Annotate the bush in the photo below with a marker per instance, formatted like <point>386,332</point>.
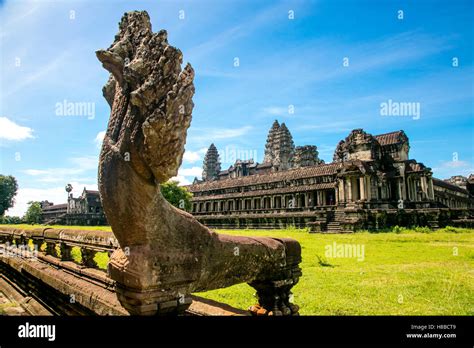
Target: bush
<point>293,228</point>
<point>452,229</point>
<point>398,229</point>
<point>423,229</point>
<point>10,220</point>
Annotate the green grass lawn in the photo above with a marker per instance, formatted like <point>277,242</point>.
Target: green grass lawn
<point>405,272</point>
<point>88,228</point>
<point>408,273</point>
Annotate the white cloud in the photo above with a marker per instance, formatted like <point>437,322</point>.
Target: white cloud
<point>244,28</point>
<point>99,138</point>
<point>35,172</point>
<point>75,172</point>
<point>85,163</point>
<point>211,134</point>
<point>57,195</point>
<point>226,133</point>
<point>327,127</point>
<point>181,180</point>
<point>454,164</point>
<point>42,71</point>
<point>186,176</point>
<point>276,110</point>
<point>447,169</point>
<point>194,171</point>
<point>9,130</point>
<point>18,13</point>
<point>194,156</point>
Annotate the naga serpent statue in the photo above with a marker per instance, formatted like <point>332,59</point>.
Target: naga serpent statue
<point>165,254</point>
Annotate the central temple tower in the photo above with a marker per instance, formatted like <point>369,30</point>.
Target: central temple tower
<point>280,148</point>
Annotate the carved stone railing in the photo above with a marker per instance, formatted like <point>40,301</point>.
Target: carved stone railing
<point>88,242</point>
<point>44,260</point>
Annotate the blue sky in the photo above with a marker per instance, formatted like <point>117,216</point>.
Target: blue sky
<point>47,51</point>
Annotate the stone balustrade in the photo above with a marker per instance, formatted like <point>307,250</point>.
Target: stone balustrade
<point>42,262</point>
<point>89,243</point>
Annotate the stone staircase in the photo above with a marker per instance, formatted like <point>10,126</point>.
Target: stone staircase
<point>334,222</point>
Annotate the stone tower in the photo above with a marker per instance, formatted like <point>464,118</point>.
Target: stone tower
<point>284,149</point>
<point>270,141</point>
<point>211,166</point>
<point>279,149</point>
<point>306,156</point>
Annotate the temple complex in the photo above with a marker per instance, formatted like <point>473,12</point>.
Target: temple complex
<point>83,210</point>
<point>371,183</point>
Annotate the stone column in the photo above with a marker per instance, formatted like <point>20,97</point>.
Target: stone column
<point>349,190</point>
<point>424,187</point>
<point>400,190</point>
<point>404,188</point>
<point>342,190</point>
<point>362,187</point>
<point>37,243</point>
<point>368,187</point>
<point>407,188</point>
<point>50,249</point>
<point>411,197</point>
<point>430,188</point>
<point>65,252</point>
<point>414,188</point>
<point>88,258</point>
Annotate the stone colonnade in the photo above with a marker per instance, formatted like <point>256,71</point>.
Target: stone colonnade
<point>307,199</point>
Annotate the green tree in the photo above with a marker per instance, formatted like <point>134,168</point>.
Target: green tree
<point>8,190</point>
<point>33,213</point>
<point>178,196</point>
<point>10,220</point>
